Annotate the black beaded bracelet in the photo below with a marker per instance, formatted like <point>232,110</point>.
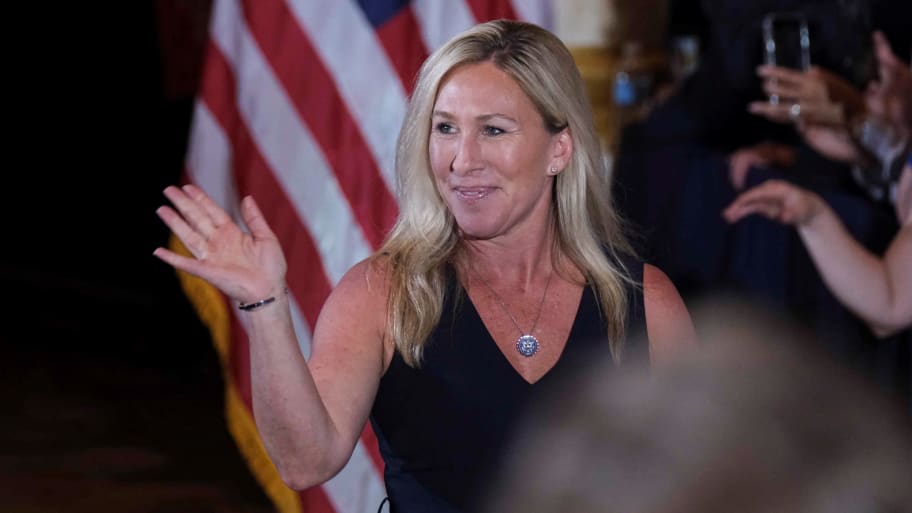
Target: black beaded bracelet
<point>249,307</point>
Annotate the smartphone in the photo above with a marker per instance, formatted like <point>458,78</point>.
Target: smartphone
<point>786,42</point>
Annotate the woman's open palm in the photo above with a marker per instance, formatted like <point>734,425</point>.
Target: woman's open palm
<point>247,266</point>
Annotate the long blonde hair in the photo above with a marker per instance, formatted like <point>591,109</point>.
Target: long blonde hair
<point>425,238</point>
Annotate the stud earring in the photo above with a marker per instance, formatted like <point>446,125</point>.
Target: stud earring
<point>553,170</point>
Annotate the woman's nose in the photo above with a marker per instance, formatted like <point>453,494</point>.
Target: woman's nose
<point>467,157</point>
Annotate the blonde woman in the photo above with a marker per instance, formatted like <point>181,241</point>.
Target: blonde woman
<point>506,269</point>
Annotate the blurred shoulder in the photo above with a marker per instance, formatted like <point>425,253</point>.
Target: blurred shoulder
<point>658,287</point>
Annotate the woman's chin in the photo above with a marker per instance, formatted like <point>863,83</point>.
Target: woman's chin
<point>477,231</point>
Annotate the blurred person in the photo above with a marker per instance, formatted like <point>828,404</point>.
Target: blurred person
<point>755,420</point>
<point>675,175</point>
<point>507,268</point>
<point>687,160</point>
<point>827,113</point>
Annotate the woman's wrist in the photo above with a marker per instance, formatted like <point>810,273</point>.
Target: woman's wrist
<point>816,212</point>
<point>263,302</point>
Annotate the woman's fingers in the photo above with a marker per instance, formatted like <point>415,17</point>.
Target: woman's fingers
<point>792,86</point>
<point>808,91</point>
<point>213,274</point>
<point>779,113</point>
<point>769,209</point>
<point>768,199</point>
<point>747,204</point>
<point>778,200</point>
<point>799,112</point>
<point>830,114</point>
<point>197,220</point>
<point>884,53</point>
<point>785,92</point>
<point>784,75</point>
<point>216,214</point>
<point>190,265</point>
<point>254,219</point>
<point>243,265</point>
<point>189,236</point>
<point>187,201</point>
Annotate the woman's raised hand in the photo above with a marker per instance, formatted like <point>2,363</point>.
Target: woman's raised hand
<point>778,200</point>
<point>246,266</point>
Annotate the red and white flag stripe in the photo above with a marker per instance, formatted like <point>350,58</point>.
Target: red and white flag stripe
<point>300,105</point>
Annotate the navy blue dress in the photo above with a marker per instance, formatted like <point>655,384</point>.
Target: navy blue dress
<point>443,429</point>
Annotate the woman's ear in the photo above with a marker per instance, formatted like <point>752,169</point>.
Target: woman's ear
<point>562,151</point>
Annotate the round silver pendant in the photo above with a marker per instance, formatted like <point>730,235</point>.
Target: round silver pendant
<point>527,345</point>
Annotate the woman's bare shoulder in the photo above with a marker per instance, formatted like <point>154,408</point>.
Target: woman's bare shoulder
<point>668,323</point>
<point>365,286</point>
<point>370,275</point>
<point>354,316</point>
<point>658,287</point>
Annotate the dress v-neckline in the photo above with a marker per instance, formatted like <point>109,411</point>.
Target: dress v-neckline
<point>490,344</point>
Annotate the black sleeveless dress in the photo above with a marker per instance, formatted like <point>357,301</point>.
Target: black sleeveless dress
<point>443,428</point>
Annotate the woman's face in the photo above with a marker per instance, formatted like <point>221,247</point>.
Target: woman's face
<point>491,154</point>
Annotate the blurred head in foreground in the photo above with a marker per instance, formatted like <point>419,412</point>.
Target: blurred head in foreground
<point>752,421</point>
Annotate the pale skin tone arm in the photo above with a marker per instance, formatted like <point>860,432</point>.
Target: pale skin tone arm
<point>309,414</point>
<point>878,290</point>
<point>668,324</point>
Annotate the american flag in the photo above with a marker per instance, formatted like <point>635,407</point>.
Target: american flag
<point>300,105</point>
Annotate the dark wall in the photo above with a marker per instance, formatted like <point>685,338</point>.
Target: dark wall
<point>102,134</point>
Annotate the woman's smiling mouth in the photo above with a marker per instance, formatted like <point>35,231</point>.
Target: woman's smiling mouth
<point>472,193</point>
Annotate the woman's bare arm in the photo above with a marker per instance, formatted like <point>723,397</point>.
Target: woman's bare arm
<point>309,414</point>
<point>668,324</point>
<point>878,290</point>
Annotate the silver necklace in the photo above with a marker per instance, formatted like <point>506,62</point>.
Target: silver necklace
<point>526,344</point>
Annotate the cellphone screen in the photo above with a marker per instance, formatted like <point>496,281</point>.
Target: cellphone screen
<point>786,41</point>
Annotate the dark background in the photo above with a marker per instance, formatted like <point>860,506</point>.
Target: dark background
<point>110,386</point>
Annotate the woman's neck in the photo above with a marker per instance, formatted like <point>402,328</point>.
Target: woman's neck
<point>521,262</point>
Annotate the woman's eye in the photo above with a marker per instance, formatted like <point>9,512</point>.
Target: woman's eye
<point>491,130</point>
<point>444,128</point>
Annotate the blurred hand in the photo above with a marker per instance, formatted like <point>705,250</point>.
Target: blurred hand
<point>816,96</point>
<point>835,143</point>
<point>890,97</point>
<point>761,155</point>
<point>246,266</point>
<point>778,200</point>
<point>822,106</point>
